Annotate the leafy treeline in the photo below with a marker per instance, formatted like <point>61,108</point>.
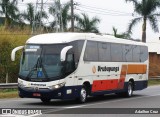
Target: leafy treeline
<point>144,10</point>
<point>15,31</point>
<point>10,39</point>
<point>13,15</point>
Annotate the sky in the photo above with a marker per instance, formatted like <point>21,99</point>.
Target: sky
<point>115,13</point>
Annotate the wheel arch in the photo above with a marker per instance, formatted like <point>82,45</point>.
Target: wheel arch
<point>87,84</point>
<point>133,82</point>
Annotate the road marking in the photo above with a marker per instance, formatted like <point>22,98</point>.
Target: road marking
<point>79,106</point>
<point>113,101</point>
<point>64,108</point>
<point>34,115</point>
<point>18,99</point>
<point>70,107</point>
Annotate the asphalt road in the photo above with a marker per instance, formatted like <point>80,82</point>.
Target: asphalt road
<point>148,98</point>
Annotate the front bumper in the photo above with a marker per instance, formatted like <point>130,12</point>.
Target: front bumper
<point>60,93</point>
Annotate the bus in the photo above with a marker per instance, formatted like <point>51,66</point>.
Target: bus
<point>78,65</point>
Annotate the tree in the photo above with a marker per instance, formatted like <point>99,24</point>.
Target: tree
<point>85,24</point>
<point>147,11</point>
<point>10,10</point>
<point>114,31</point>
<point>61,12</point>
<point>5,48</point>
<point>121,35</point>
<point>30,15</point>
<point>39,16</point>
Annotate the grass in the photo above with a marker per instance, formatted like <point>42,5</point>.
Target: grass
<point>153,82</point>
<point>8,93</point>
<point>15,36</point>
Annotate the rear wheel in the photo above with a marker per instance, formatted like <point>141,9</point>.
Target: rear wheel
<point>129,91</point>
<point>45,100</point>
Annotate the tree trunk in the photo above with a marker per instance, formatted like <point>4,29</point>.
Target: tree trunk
<point>144,30</point>
<point>7,22</point>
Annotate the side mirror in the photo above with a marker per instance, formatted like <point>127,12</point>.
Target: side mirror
<point>13,54</point>
<point>64,51</point>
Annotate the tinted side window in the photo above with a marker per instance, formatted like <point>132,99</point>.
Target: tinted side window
<point>91,52</point>
<point>144,54</point>
<point>116,52</point>
<point>104,52</point>
<point>77,49</point>
<point>127,53</point>
<point>70,66</point>
<point>136,53</point>
<point>80,46</point>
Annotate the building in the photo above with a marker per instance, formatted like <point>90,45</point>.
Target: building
<point>154,58</point>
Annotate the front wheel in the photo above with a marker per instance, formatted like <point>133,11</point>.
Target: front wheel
<point>83,95</point>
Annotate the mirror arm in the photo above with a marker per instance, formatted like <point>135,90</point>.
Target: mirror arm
<point>64,51</point>
<point>13,54</point>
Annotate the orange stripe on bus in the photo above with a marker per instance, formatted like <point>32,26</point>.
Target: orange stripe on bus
<point>124,70</point>
<point>136,69</point>
<point>122,77</point>
<point>113,84</point>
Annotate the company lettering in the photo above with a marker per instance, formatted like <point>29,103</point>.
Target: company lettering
<point>38,84</point>
<point>109,69</point>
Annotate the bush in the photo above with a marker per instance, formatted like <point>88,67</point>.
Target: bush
<point>10,39</point>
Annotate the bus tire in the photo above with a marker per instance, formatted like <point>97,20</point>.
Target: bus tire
<point>83,95</point>
<point>45,100</point>
<point>129,91</point>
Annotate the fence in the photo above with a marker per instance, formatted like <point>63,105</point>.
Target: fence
<point>8,85</point>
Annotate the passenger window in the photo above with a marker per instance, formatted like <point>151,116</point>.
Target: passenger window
<point>127,53</point>
<point>116,52</point>
<point>136,53</point>
<point>104,52</point>
<point>144,54</point>
<point>91,52</point>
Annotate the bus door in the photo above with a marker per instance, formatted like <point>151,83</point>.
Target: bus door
<point>70,68</point>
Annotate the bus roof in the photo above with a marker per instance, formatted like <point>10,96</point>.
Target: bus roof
<point>57,38</point>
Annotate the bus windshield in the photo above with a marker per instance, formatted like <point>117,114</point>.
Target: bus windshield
<point>41,61</point>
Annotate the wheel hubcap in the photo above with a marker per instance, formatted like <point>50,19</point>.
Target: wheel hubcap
<point>130,90</point>
<point>83,94</point>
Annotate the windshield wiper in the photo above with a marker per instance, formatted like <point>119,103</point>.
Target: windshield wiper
<point>41,66</point>
<point>37,66</point>
<point>33,69</point>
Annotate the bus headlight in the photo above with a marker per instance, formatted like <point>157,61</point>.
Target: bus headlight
<point>57,86</point>
<point>20,84</point>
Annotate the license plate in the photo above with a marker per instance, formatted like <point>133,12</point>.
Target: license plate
<point>36,94</point>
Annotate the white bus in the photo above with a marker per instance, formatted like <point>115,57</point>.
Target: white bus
<point>77,65</point>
